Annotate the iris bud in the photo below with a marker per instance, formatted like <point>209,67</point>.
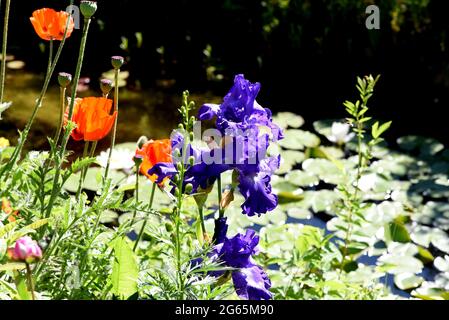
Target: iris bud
<point>189,188</point>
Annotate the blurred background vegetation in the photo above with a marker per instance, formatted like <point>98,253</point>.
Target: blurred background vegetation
<point>305,53</point>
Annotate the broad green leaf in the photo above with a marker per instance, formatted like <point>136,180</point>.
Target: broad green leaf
<point>124,270</point>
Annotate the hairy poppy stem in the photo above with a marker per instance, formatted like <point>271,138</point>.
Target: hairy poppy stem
<point>62,94</point>
<point>23,137</point>
<point>80,184</point>
<point>65,139</point>
<point>142,230</point>
<point>114,130</point>
<point>50,56</point>
<point>4,46</point>
<point>136,195</point>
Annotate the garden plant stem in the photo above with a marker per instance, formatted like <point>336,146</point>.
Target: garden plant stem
<point>66,135</point>
<point>142,229</point>
<point>220,209</point>
<point>18,150</point>
<point>114,130</point>
<point>4,46</point>
<point>30,280</point>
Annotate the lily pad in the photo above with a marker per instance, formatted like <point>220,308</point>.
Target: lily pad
<point>299,139</point>
<point>302,178</point>
<point>288,119</point>
<point>407,281</point>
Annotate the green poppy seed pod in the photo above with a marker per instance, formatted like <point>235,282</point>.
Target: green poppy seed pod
<point>191,160</point>
<point>189,188</point>
<point>64,79</point>
<point>168,227</point>
<point>105,86</point>
<point>88,8</point>
<point>142,140</point>
<point>117,62</point>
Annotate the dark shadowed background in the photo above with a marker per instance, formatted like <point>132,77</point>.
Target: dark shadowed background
<point>306,54</point>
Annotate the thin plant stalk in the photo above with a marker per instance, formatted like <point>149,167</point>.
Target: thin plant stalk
<point>142,229</point>
<point>4,46</point>
<point>201,214</point>
<point>30,280</point>
<point>66,135</point>
<point>220,209</point>
<point>62,95</point>
<point>114,130</point>
<point>50,55</point>
<point>80,184</point>
<point>18,150</point>
<point>136,188</point>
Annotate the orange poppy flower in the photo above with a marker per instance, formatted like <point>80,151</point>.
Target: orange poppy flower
<point>50,24</point>
<point>92,117</point>
<point>153,152</point>
<point>6,208</point>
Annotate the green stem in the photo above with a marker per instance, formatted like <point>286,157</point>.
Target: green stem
<point>30,280</point>
<point>142,230</point>
<point>66,135</point>
<point>50,56</point>
<point>80,184</point>
<point>4,46</point>
<point>136,194</point>
<point>203,226</point>
<point>220,209</point>
<point>18,150</point>
<point>114,130</point>
<point>62,94</point>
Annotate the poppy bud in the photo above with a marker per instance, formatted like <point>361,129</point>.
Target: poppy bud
<point>142,140</point>
<point>64,79</point>
<point>189,188</point>
<point>117,62</point>
<point>88,8</point>
<point>105,86</point>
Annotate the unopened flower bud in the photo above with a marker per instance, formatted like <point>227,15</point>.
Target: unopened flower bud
<point>142,140</point>
<point>227,198</point>
<point>88,8</point>
<point>117,62</point>
<point>191,160</point>
<point>26,250</point>
<point>64,79</point>
<point>191,136</point>
<point>189,188</point>
<point>181,126</point>
<point>168,227</point>
<point>105,86</point>
<point>179,166</point>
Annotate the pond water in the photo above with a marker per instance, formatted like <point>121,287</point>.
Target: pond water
<point>151,112</point>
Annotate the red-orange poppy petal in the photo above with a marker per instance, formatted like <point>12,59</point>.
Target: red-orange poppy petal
<point>153,152</point>
<point>50,24</point>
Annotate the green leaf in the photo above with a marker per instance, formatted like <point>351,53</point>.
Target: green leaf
<point>397,232</point>
<point>12,266</point>
<point>124,270</point>
<point>9,227</point>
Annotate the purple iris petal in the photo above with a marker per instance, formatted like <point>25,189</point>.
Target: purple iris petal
<point>252,283</point>
<point>163,170</point>
<point>208,111</point>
